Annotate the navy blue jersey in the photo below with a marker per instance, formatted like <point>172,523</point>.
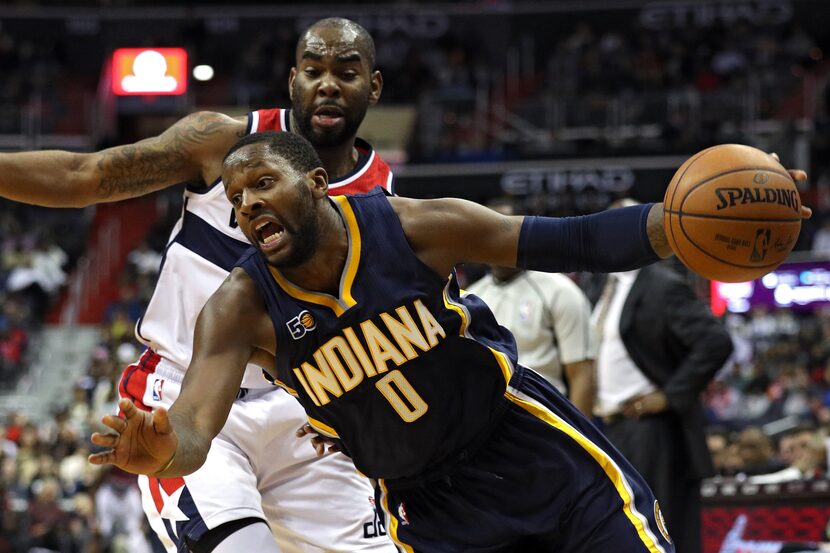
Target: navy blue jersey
<point>400,368</point>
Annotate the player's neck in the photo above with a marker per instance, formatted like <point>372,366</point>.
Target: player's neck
<point>339,160</point>
<point>322,272</point>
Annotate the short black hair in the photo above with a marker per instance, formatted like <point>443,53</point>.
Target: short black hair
<point>364,39</point>
<point>293,148</point>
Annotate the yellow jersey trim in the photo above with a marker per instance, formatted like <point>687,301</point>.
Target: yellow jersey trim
<point>393,520</point>
<point>504,364</point>
<point>323,428</point>
<point>608,465</point>
<point>355,244</point>
<point>448,303</point>
<point>346,300</point>
<point>286,387</point>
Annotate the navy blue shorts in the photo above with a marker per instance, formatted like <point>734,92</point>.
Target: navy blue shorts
<point>544,480</point>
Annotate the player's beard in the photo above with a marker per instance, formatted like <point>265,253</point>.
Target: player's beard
<point>352,119</point>
<point>304,234</point>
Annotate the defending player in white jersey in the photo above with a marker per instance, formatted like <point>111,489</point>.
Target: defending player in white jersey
<point>257,469</point>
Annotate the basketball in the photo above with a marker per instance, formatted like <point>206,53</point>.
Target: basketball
<point>732,213</point>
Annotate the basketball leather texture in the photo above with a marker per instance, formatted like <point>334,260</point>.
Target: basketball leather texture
<point>732,213</point>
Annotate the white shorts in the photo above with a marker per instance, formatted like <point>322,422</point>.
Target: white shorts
<point>257,467</point>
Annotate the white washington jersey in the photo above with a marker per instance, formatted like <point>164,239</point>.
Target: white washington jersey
<point>206,242</point>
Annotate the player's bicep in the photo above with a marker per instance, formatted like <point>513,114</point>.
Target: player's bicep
<point>445,232</point>
<point>176,155</point>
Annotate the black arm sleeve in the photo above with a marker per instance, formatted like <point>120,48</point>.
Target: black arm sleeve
<point>606,242</point>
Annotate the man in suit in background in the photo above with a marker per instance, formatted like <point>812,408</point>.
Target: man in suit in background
<point>659,346</point>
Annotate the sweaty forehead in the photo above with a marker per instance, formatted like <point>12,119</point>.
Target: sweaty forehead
<point>250,158</point>
<point>329,41</point>
<point>252,155</point>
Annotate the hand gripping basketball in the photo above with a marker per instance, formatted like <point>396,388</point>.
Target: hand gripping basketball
<point>733,213</point>
<point>140,442</point>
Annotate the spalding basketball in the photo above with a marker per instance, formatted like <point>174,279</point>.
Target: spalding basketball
<point>732,213</point>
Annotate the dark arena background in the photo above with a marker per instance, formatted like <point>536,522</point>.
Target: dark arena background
<point>561,106</point>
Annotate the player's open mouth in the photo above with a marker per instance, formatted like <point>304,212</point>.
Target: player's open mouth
<point>327,116</point>
<point>268,233</point>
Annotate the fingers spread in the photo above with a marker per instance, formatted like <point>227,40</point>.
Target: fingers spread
<point>102,458</point>
<point>116,423</point>
<point>105,440</point>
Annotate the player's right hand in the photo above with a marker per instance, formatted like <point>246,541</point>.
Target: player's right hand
<point>140,442</point>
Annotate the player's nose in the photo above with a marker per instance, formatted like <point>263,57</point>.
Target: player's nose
<point>251,202</point>
<point>328,86</point>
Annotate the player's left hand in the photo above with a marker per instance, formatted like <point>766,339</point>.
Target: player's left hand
<point>319,442</point>
<point>648,404</point>
<point>798,175</point>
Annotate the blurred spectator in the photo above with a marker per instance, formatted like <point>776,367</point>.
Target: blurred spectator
<point>755,451</point>
<point>806,456</point>
<point>718,444</point>
<point>126,310</point>
<point>144,259</point>
<point>48,526</point>
<point>120,515</point>
<point>38,273</point>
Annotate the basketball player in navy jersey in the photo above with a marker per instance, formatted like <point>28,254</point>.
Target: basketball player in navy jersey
<point>257,470</point>
<point>357,299</point>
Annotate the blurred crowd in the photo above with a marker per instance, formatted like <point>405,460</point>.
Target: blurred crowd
<point>627,90</point>
<point>36,249</point>
<point>769,409</point>
<point>52,498</point>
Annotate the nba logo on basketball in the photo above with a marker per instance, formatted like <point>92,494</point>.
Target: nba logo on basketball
<point>157,385</point>
<point>759,248</point>
<point>302,323</point>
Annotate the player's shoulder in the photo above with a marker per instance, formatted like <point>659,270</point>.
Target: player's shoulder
<point>236,298</point>
<point>237,311</point>
<point>268,119</point>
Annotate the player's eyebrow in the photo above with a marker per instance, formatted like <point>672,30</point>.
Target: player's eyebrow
<point>341,58</point>
<point>347,58</point>
<point>307,54</point>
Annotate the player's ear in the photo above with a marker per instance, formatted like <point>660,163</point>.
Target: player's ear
<point>319,182</point>
<point>376,86</point>
<point>291,76</point>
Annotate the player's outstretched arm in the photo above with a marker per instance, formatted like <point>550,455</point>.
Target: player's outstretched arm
<point>446,232</point>
<point>185,152</point>
<point>232,326</point>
